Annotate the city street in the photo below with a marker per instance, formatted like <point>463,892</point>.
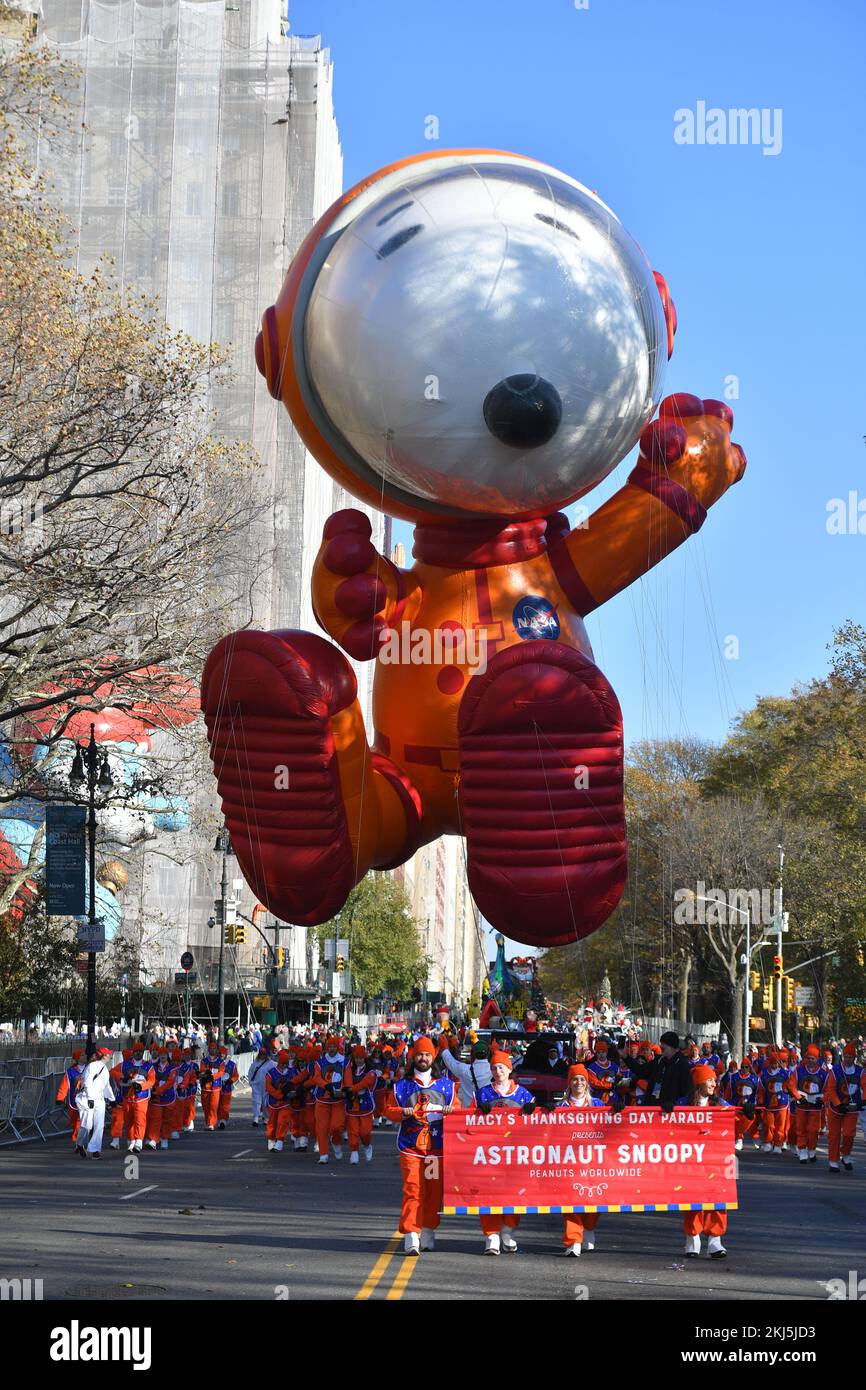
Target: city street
<point>217,1216</point>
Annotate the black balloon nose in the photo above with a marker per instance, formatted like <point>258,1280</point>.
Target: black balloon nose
<point>523,410</point>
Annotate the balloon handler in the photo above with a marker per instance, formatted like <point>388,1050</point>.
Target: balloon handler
<point>469,340</point>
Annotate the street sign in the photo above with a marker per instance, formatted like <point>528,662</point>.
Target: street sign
<point>187,960</point>
<point>805,996</point>
<point>261,1001</point>
<point>64,860</point>
<point>91,935</point>
<point>185,977</point>
<point>342,949</point>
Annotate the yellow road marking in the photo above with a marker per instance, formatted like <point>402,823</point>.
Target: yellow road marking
<point>379,1267</point>
<point>402,1277</point>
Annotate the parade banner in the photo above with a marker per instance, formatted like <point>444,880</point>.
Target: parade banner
<point>639,1159</point>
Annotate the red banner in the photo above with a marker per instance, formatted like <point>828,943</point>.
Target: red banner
<point>589,1160</point>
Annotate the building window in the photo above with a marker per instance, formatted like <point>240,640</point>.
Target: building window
<point>194,200</point>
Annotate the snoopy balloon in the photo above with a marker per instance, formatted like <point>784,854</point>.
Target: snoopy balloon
<point>469,340</point>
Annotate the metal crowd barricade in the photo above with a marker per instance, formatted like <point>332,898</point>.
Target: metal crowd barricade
<point>7,1098</point>
<point>28,1107</point>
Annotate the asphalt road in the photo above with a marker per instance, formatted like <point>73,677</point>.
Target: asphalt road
<point>218,1216</point>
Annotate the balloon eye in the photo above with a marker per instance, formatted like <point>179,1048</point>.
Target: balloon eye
<point>523,411</point>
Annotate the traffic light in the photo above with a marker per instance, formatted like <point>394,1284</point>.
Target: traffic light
<point>790,995</point>
<point>754,980</point>
<point>281,955</point>
<point>777,967</point>
<point>767,998</point>
<point>230,936</point>
<point>859,954</point>
<point>340,964</point>
<point>240,934</point>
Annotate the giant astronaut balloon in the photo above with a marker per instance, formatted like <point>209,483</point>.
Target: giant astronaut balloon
<point>469,340</point>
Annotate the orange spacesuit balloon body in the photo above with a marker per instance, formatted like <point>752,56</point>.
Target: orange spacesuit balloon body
<point>470,340</point>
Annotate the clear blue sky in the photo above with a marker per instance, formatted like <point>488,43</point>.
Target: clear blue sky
<point>764,256</point>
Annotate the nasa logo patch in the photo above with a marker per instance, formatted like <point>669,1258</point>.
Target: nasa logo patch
<point>535,618</point>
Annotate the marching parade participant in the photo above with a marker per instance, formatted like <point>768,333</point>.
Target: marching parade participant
<point>579,1226</point>
<point>327,1087</point>
<point>174,1116</point>
<point>502,1093</point>
<point>845,1098</point>
<point>418,1103</point>
<point>603,1073</point>
<point>229,1081</point>
<point>67,1089</point>
<point>93,1093</point>
<point>278,1085</point>
<point>709,1058</point>
<point>256,1076</point>
<point>704,1091</point>
<point>187,1088</point>
<point>740,1088</point>
<point>138,1079</point>
<point>305,1087</point>
<point>359,1088</point>
<point>117,1111</point>
<point>211,1074</point>
<point>299,1072</point>
<point>775,1098</point>
<point>806,1085</point>
<point>160,1110</point>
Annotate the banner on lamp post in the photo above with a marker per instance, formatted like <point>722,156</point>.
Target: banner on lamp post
<point>595,1160</point>
<point>65,829</point>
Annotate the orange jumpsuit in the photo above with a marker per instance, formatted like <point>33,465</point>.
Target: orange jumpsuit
<point>227,1090</point>
<point>843,1088</point>
<point>118,1115</point>
<point>361,1080</point>
<point>806,1084</point>
<point>330,1107</point>
<point>160,1110</point>
<point>210,1088</point>
<point>66,1092</point>
<point>136,1102</point>
<point>279,1103</point>
<point>419,1141</point>
<point>773,1096</point>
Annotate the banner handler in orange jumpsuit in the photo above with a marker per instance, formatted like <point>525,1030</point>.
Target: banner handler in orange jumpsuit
<point>711,1223</point>
<point>418,1103</point>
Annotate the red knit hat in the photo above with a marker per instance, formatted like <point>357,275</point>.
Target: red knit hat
<point>423,1044</point>
<point>282,1057</point>
<point>498,1058</point>
<point>849,1050</point>
<point>577,1070</point>
<point>126,1054</point>
<point>813,1050</point>
<point>359,1051</point>
<point>700,1074</point>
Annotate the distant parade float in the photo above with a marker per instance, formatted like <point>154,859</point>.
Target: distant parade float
<point>469,340</point>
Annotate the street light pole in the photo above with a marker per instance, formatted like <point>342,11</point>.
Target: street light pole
<point>89,770</point>
<point>223,844</point>
<point>779,924</point>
